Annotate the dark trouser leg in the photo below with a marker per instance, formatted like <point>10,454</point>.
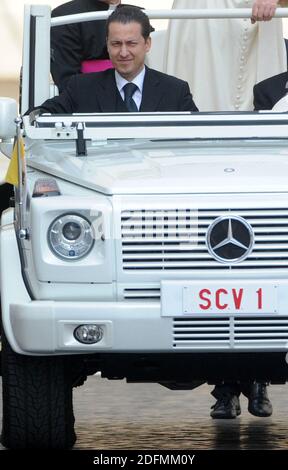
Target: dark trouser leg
<point>226,388</point>
<point>6,191</point>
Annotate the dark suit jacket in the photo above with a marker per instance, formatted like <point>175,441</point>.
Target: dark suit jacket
<point>269,91</point>
<point>98,93</point>
<point>73,43</point>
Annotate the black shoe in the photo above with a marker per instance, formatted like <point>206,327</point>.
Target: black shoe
<point>226,407</point>
<point>258,401</point>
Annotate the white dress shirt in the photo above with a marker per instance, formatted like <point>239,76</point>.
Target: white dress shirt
<point>138,81</point>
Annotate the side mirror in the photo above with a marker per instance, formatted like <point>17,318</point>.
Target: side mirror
<point>8,114</point>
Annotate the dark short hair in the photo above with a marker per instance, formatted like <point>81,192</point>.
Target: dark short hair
<point>129,14</point>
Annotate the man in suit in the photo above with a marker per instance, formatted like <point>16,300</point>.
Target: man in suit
<point>268,92</point>
<point>128,40</point>
<point>71,44</point>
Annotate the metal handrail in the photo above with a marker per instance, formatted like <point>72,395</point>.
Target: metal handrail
<point>216,13</point>
<point>100,127</point>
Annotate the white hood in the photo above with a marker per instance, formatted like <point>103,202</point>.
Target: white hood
<point>170,167</point>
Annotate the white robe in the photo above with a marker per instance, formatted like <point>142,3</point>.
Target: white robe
<point>223,59</point>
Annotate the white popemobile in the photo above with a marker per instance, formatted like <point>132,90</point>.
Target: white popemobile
<point>151,247</point>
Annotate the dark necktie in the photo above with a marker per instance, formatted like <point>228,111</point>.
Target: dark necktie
<point>129,90</point>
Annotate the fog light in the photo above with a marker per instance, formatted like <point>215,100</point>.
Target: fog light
<point>89,334</point>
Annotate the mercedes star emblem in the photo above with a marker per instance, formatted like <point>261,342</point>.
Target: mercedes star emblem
<point>230,239</point>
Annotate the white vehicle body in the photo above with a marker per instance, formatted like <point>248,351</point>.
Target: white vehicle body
<point>168,197</point>
<point>156,201</point>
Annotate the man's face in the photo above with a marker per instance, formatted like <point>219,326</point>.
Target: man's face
<point>127,48</point>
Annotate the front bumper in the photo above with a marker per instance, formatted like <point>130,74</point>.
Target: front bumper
<point>47,327</point>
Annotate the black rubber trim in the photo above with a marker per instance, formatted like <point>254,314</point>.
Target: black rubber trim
<point>32,61</point>
<point>25,280</point>
<point>81,149</point>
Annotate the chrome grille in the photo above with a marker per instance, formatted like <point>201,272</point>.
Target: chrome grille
<point>260,329</point>
<point>175,239</point>
<point>136,293</point>
<point>187,332</point>
<point>208,331</point>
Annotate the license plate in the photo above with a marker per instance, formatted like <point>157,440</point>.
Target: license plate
<point>214,298</point>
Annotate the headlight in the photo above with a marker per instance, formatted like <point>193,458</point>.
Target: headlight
<point>71,236</point>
